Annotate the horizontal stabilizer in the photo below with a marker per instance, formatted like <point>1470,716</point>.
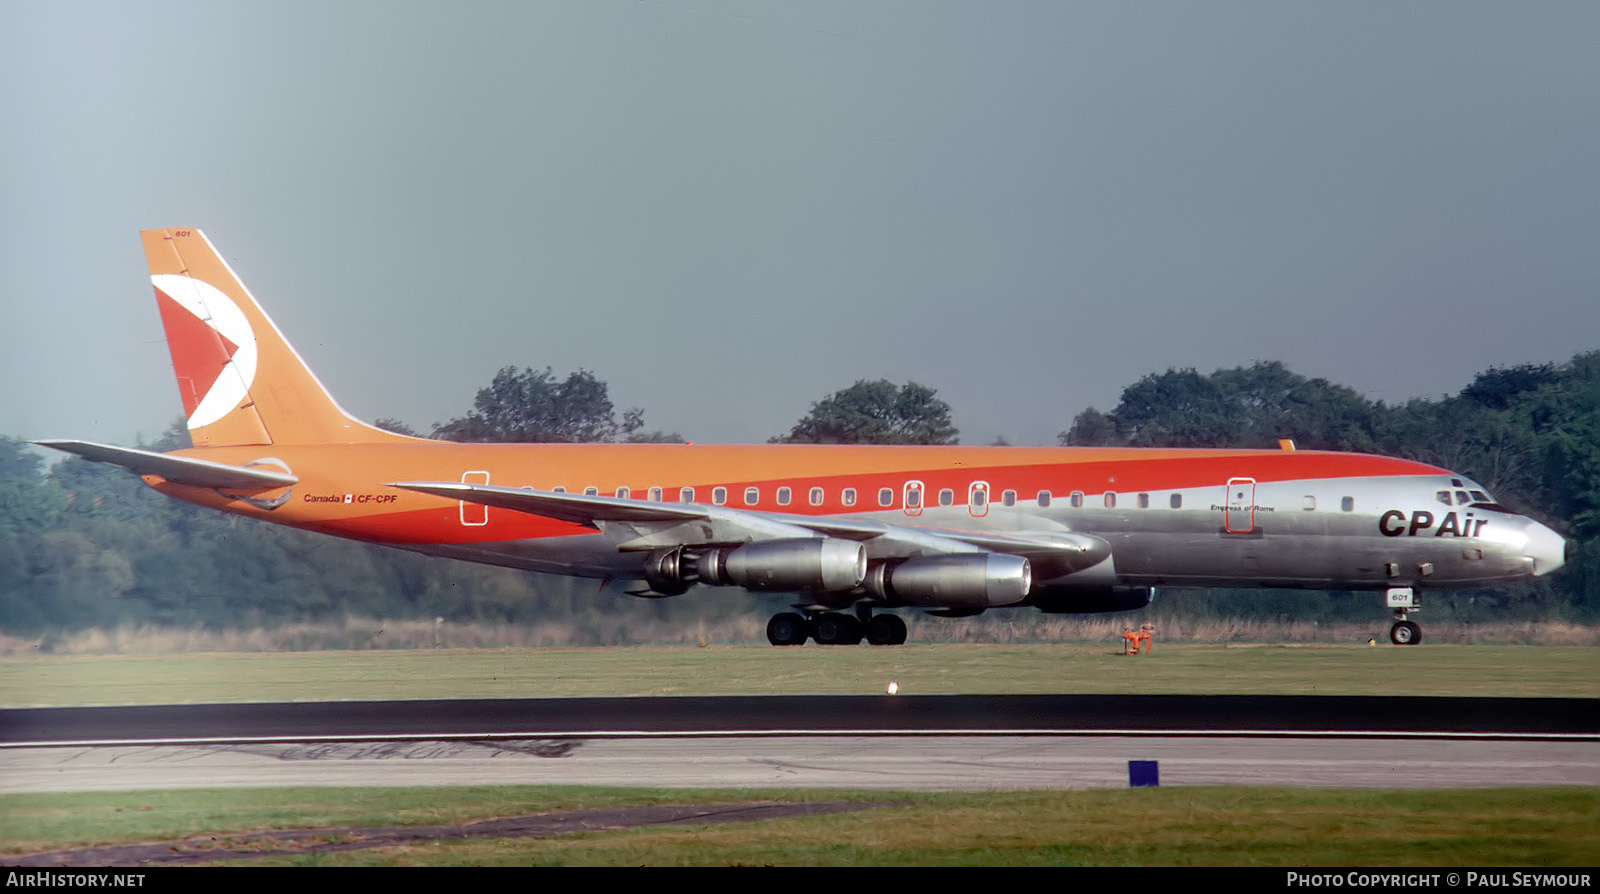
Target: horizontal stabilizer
<point>177,469</point>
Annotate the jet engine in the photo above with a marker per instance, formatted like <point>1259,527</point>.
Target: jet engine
<point>824,564</point>
<point>959,581</point>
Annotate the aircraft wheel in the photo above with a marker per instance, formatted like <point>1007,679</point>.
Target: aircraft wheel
<point>886,630</point>
<point>834,629</point>
<point>787,629</point>
<point>1405,633</point>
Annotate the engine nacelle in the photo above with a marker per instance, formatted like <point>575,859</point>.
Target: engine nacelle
<point>825,564</point>
<point>1092,600</point>
<point>664,572</point>
<point>964,581</point>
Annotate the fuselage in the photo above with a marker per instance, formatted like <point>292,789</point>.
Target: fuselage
<point>1257,518</point>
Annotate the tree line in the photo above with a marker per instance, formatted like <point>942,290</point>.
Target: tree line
<point>88,545</point>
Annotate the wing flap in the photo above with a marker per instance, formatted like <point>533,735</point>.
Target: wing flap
<point>177,469</point>
<point>1051,545</point>
<point>575,508</point>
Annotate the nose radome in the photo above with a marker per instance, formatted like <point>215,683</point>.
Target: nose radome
<point>1546,548</point>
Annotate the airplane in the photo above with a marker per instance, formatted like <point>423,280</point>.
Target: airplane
<point>851,532</point>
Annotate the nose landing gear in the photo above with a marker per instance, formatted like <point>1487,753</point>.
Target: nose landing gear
<point>1402,600</point>
<point>1405,633</point>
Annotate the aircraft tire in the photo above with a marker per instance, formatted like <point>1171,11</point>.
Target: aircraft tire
<point>787,629</point>
<point>835,629</point>
<point>886,630</point>
<point>1405,633</point>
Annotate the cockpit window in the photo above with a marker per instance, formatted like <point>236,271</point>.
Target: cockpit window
<point>1479,496</point>
<point>1443,497</point>
<point>1461,498</point>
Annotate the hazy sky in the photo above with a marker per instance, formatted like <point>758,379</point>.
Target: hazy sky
<point>730,210</point>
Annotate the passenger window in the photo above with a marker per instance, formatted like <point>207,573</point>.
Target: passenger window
<point>1347,504</point>
<point>816,496</point>
<point>1308,502</point>
<point>591,491</point>
<point>979,497</point>
<point>1044,498</point>
<point>783,496</point>
<point>624,493</point>
<point>719,495</point>
<point>752,496</point>
<point>911,498</point>
<point>946,496</point>
<point>1009,497</point>
<point>1077,499</point>
<point>1175,501</point>
<point>1111,500</point>
<point>1144,501</point>
<point>885,496</point>
<point>558,489</point>
<point>849,496</point>
<point>655,494</point>
<point>686,495</point>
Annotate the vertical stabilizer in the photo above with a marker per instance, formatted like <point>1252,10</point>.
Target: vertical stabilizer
<point>240,381</point>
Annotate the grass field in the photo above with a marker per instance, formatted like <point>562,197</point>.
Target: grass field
<point>1197,826</point>
<point>1556,671</point>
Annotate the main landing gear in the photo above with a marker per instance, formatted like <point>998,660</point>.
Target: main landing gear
<point>1402,600</point>
<point>836,628</point>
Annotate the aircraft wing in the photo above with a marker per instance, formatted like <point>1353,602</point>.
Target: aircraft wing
<point>647,525</point>
<point>177,469</point>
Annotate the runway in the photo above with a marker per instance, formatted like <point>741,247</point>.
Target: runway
<point>927,743</point>
<point>922,763</point>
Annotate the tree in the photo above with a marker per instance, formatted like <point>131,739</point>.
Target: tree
<point>1252,406</point>
<point>395,425</point>
<point>532,406</point>
<point>1498,389</point>
<point>17,460</point>
<point>877,412</point>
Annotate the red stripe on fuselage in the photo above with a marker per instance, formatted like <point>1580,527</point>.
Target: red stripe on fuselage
<point>425,526</point>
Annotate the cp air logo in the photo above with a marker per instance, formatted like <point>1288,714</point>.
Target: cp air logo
<point>213,347</point>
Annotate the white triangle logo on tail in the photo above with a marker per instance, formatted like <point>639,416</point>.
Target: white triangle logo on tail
<point>213,346</point>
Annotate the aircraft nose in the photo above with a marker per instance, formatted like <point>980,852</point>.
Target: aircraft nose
<point>1547,549</point>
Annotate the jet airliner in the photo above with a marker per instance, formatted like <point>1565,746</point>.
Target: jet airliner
<point>849,532</point>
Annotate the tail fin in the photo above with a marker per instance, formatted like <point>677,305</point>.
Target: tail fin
<point>240,381</point>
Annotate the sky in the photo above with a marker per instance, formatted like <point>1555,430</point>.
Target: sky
<point>728,211</point>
